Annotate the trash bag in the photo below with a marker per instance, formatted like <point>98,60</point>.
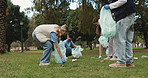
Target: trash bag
<point>107,23</point>
<point>107,52</point>
<point>103,41</point>
<point>108,26</point>
<point>76,52</point>
<point>63,51</point>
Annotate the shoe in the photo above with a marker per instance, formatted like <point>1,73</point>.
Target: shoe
<point>117,65</point>
<point>100,57</point>
<point>107,58</point>
<point>113,58</point>
<point>130,65</point>
<point>44,64</point>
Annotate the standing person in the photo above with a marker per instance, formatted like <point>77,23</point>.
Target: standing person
<point>69,45</point>
<point>124,12</point>
<point>98,32</point>
<point>47,35</point>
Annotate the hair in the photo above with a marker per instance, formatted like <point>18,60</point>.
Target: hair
<point>64,28</point>
<point>95,20</point>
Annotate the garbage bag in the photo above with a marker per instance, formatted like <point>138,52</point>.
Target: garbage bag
<point>107,23</point>
<point>76,52</point>
<point>103,41</point>
<point>63,51</point>
<point>107,52</point>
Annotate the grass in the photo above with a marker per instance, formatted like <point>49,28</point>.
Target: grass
<point>25,65</point>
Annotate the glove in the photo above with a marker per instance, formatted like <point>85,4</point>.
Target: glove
<point>63,59</point>
<point>106,7</point>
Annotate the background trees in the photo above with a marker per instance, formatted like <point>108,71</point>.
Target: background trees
<point>58,12</point>
<point>141,24</point>
<point>13,27</point>
<point>3,6</point>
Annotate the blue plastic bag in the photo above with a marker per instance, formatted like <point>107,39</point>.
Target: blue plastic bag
<point>63,51</point>
<point>76,52</point>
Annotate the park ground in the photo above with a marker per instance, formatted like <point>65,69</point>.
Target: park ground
<point>25,65</point>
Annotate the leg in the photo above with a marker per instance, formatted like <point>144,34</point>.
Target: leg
<point>47,46</point>
<point>100,51</point>
<point>68,51</point>
<point>129,39</point>
<point>111,47</point>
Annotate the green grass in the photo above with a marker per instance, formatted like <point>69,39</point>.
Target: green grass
<point>25,65</point>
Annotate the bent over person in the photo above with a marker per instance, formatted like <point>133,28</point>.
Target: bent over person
<point>47,36</point>
<point>69,45</point>
<point>124,13</point>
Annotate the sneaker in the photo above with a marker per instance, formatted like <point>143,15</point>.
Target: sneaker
<point>100,57</point>
<point>130,65</point>
<point>113,58</point>
<point>44,64</point>
<point>107,58</point>
<point>117,65</point>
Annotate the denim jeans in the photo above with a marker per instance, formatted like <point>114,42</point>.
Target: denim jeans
<point>47,47</point>
<point>68,51</point>
<point>123,39</point>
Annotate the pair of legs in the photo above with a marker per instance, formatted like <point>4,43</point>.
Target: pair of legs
<point>47,47</point>
<point>123,40</point>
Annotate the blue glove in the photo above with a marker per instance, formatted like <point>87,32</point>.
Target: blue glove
<point>63,59</point>
<point>106,6</point>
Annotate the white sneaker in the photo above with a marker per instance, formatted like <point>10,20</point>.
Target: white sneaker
<point>44,64</point>
<point>100,57</point>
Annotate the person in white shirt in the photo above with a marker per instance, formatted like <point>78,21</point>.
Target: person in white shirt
<point>48,35</point>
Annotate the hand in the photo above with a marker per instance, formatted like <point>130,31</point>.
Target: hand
<point>63,59</point>
<point>106,7</point>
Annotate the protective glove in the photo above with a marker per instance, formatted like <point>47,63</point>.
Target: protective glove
<point>106,7</point>
<point>63,59</point>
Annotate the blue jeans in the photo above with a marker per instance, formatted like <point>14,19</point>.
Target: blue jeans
<point>47,47</point>
<point>124,38</point>
<point>68,51</point>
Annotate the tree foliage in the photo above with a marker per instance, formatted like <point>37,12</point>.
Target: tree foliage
<point>141,24</point>
<point>3,6</point>
<point>13,29</point>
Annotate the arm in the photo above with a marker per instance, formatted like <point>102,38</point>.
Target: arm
<point>73,45</point>
<point>117,4</point>
<point>55,42</point>
<point>58,49</point>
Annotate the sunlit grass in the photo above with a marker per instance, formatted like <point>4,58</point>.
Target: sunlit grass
<point>25,65</point>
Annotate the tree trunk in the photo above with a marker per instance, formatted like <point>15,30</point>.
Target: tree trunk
<point>90,45</point>
<point>8,49</point>
<point>145,34</point>
<point>3,5</point>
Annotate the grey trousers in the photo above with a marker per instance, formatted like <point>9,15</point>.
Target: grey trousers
<point>123,39</point>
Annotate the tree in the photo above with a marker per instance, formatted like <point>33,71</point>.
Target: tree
<point>13,25</point>
<point>3,6</point>
<point>52,10</point>
<point>141,24</point>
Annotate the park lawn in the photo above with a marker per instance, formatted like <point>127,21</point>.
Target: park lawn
<point>25,65</point>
